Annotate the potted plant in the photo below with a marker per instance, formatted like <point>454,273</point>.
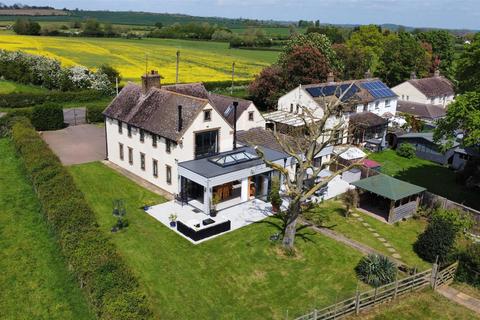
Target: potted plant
<point>147,205</point>
<point>274,195</point>
<point>173,220</point>
<point>215,201</point>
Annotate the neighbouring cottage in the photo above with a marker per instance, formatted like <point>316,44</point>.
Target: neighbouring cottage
<point>368,130</point>
<point>388,197</point>
<point>182,139</point>
<point>436,90</point>
<point>428,113</point>
<point>370,96</point>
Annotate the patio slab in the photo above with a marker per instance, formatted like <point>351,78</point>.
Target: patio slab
<point>240,215</point>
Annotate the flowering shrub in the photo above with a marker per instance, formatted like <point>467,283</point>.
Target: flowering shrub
<point>49,73</point>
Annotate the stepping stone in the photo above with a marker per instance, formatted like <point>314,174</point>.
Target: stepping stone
<point>365,224</point>
<point>371,229</point>
<point>396,256</point>
<point>359,219</point>
<point>391,250</point>
<point>376,235</point>
<point>355,215</point>
<point>386,244</point>
<point>381,239</point>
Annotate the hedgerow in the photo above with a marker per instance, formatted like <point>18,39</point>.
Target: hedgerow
<point>21,100</point>
<point>47,117</point>
<point>95,113</point>
<point>109,285</point>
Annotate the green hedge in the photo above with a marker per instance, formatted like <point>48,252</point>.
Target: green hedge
<point>47,117</point>
<point>107,282</point>
<point>94,113</point>
<point>20,100</point>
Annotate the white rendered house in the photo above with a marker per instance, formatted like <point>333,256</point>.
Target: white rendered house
<point>181,138</point>
<point>436,90</point>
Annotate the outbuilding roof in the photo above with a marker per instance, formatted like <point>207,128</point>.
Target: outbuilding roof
<point>367,119</point>
<point>388,187</point>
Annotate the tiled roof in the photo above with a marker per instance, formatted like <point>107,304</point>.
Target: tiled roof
<point>367,119</point>
<point>222,103</point>
<point>156,111</point>
<point>433,86</point>
<point>425,111</point>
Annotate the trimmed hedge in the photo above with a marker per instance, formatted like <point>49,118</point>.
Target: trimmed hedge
<point>211,85</point>
<point>47,117</point>
<point>109,285</point>
<point>94,113</point>
<point>20,100</point>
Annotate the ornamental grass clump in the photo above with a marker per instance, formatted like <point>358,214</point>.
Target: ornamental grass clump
<point>376,270</point>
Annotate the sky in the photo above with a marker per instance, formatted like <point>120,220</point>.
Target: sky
<point>452,14</point>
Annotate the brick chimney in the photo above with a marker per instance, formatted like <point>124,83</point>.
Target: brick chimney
<point>436,73</point>
<point>330,77</point>
<point>413,75</point>
<point>150,80</point>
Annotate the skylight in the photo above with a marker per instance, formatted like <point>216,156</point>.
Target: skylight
<point>233,158</point>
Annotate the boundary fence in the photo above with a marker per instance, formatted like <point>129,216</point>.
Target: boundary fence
<point>433,277</point>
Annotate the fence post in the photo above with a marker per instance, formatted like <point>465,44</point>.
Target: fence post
<point>357,302</point>
<point>433,281</point>
<point>414,278</point>
<point>315,314</point>
<point>396,286</point>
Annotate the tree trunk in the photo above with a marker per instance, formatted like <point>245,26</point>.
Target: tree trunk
<point>291,224</point>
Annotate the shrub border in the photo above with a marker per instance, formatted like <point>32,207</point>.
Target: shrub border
<point>109,285</point>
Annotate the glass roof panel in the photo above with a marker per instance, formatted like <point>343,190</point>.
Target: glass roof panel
<point>233,158</point>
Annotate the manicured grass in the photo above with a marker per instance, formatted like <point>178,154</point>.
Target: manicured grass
<point>436,178</point>
<point>239,275</point>
<point>401,235</point>
<point>34,281</point>
<point>425,305</point>
<point>200,60</point>
<point>7,87</point>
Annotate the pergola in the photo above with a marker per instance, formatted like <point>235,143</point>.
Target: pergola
<point>392,198</point>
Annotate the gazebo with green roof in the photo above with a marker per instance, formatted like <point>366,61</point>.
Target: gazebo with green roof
<point>396,199</point>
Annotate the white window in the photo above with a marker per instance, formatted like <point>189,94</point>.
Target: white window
<point>130,156</point>
<point>142,161</point>
<point>207,115</point>
<point>377,105</point>
<point>155,168</point>
<point>250,116</point>
<point>432,101</point>
<point>120,150</point>
<point>387,103</point>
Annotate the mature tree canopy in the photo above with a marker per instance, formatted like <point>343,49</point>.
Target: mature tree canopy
<point>464,115</point>
<point>443,48</point>
<point>402,55</point>
<point>354,60</point>
<point>468,67</point>
<point>267,87</point>
<point>370,41</point>
<point>26,26</point>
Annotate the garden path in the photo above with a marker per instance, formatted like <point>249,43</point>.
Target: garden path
<point>460,298</point>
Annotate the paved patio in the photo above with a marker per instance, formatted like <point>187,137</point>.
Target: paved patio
<point>240,215</point>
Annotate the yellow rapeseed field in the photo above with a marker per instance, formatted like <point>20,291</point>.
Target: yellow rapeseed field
<point>200,60</point>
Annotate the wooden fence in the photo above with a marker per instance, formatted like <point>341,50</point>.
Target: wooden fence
<point>369,299</point>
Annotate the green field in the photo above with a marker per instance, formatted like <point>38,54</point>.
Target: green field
<point>34,281</point>
<point>200,60</point>
<point>239,275</point>
<point>7,87</point>
<point>436,178</point>
<point>425,305</point>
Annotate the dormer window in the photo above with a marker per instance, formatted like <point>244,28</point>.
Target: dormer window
<point>207,115</point>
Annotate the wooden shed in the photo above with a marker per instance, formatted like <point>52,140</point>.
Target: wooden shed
<point>388,197</point>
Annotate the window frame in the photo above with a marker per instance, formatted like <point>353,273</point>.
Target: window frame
<point>209,117</point>
<point>130,156</point>
<point>155,168</point>
<point>168,176</point>
<point>120,127</point>
<point>168,146</point>
<point>121,151</point>
<point>154,140</point>
<point>251,115</point>
<point>142,135</point>
<point>142,161</point>
<point>129,129</point>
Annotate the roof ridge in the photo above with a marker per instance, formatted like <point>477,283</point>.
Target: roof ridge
<point>180,94</point>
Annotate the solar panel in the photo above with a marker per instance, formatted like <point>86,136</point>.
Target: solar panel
<point>378,89</point>
<point>337,90</point>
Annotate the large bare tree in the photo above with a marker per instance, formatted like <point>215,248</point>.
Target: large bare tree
<point>316,134</point>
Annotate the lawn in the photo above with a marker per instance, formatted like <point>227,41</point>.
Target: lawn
<point>7,87</point>
<point>200,60</point>
<point>436,178</point>
<point>425,305</point>
<point>240,275</point>
<point>401,235</point>
<point>34,281</point>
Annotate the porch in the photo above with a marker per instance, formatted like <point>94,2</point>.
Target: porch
<point>197,227</point>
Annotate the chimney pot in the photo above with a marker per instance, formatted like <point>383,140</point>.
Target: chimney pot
<point>413,75</point>
<point>330,77</point>
<point>436,73</point>
<point>368,74</point>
